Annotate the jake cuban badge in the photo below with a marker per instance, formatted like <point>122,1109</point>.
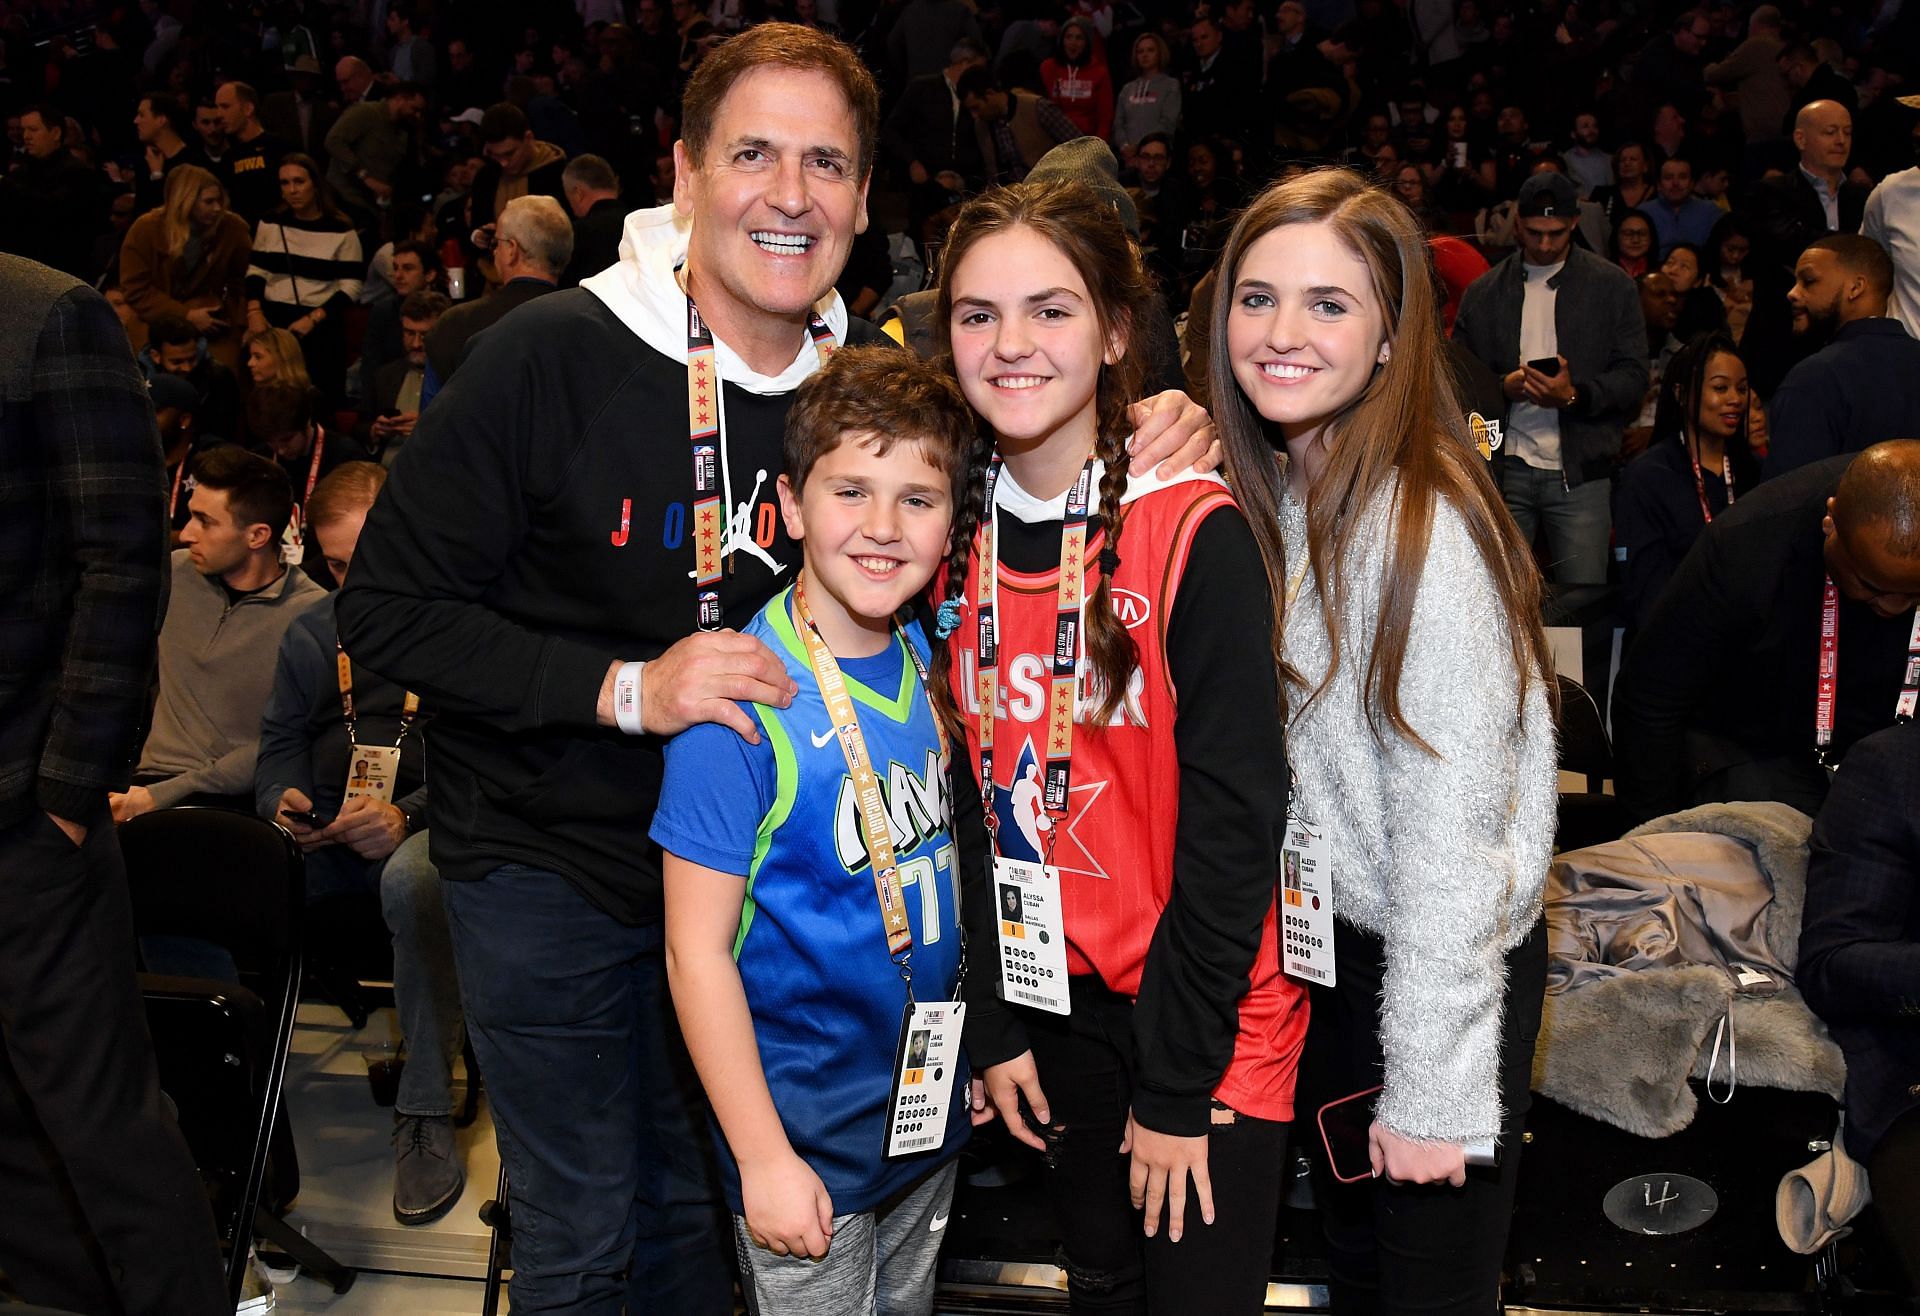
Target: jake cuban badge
<point>1033,944</point>
<point>371,770</point>
<point>1306,903</point>
<point>925,1069</point>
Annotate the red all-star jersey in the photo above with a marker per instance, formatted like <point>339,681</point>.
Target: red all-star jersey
<point>1115,850</point>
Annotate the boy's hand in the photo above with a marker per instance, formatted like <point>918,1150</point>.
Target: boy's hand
<point>1158,1176</point>
<point>982,1109</point>
<point>1172,432</point>
<point>1006,1082</point>
<point>787,1207</point>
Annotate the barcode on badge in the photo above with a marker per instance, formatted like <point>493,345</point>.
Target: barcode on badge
<point>912,1144</point>
<point>1035,997</point>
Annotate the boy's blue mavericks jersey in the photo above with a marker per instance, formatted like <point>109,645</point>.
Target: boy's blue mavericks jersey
<point>827,1001</point>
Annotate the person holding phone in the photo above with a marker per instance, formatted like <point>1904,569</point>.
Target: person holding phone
<point>1562,327</point>
<point>342,767</point>
<point>1420,734</point>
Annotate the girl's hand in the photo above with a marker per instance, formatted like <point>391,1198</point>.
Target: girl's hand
<point>1411,1160</point>
<point>1005,1083</point>
<point>1161,1164</point>
<point>787,1208</point>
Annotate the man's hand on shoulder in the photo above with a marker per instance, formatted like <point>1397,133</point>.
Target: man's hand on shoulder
<point>704,678</point>
<point>1172,432</point>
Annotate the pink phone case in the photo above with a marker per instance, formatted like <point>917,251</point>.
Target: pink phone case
<point>1333,1161</point>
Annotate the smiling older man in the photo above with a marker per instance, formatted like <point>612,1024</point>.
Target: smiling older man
<point>556,563</point>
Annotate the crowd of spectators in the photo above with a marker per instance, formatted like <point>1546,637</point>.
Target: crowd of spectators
<point>1680,250</point>
<point>257,168</point>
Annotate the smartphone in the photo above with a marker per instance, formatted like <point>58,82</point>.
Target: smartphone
<point>1344,1126</point>
<point>307,818</point>
<point>1459,153</point>
<point>1546,365</point>
<point>1343,1132</point>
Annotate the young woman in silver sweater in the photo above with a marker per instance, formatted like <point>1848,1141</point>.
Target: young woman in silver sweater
<point>1420,729</point>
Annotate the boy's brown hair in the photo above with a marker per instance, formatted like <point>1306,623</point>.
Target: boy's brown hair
<point>882,395</point>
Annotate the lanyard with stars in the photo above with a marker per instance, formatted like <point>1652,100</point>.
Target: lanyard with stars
<point>703,428</point>
<point>1066,646</point>
<point>866,783</point>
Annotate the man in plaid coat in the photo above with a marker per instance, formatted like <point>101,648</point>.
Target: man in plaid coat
<point>100,1206</point>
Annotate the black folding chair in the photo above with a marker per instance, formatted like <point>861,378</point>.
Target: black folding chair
<point>1587,817</point>
<point>238,882</point>
<point>497,1215</point>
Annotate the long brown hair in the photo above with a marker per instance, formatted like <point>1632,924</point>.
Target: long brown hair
<point>322,190</point>
<point>1088,232</point>
<point>185,183</point>
<point>1405,426</point>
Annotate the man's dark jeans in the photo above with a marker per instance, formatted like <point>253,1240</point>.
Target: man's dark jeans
<point>599,1115</point>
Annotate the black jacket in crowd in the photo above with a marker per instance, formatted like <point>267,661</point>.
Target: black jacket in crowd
<point>1601,333</point>
<point>1786,215</point>
<point>1860,940</point>
<point>51,211</point>
<point>596,240</point>
<point>1725,670</point>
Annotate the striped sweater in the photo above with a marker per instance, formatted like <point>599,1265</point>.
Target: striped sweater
<point>306,262</point>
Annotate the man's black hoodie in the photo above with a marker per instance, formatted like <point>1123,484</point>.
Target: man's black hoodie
<point>533,532</point>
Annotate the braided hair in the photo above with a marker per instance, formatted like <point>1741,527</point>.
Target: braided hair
<point>1088,231</point>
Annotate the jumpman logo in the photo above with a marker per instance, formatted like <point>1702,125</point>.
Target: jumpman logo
<point>738,537</point>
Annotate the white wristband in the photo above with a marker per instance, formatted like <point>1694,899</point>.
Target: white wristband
<point>626,698</point>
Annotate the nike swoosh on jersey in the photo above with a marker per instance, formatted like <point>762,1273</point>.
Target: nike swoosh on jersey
<point>821,739</point>
<point>939,1223</point>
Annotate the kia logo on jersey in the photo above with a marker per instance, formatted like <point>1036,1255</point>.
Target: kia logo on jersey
<point>1130,608</point>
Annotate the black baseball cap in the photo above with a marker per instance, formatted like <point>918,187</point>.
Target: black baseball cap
<point>1549,195</point>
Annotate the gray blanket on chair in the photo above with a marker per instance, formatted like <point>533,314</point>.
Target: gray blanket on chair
<point>1641,933</point>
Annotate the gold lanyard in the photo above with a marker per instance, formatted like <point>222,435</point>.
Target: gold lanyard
<point>866,783</point>
<point>343,667</point>
<point>703,429</point>
<point>1070,591</point>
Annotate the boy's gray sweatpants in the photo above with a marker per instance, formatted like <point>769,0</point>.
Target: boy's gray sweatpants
<point>878,1264</point>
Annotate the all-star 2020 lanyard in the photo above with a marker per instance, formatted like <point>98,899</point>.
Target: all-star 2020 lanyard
<point>866,783</point>
<point>703,428</point>
<point>1700,482</point>
<point>409,708</point>
<point>1070,594</point>
<point>1829,677</point>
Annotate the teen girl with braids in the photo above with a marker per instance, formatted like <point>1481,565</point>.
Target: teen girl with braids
<point>1420,735</point>
<point>1161,1097</point>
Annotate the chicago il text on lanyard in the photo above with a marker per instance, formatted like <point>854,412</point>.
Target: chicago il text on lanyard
<point>710,509</point>
<point>866,782</point>
<point>1067,640</point>
<point>1829,674</point>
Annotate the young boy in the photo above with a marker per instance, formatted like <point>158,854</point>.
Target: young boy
<point>813,931</point>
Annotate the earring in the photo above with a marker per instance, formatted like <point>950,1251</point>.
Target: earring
<point>1386,351</point>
